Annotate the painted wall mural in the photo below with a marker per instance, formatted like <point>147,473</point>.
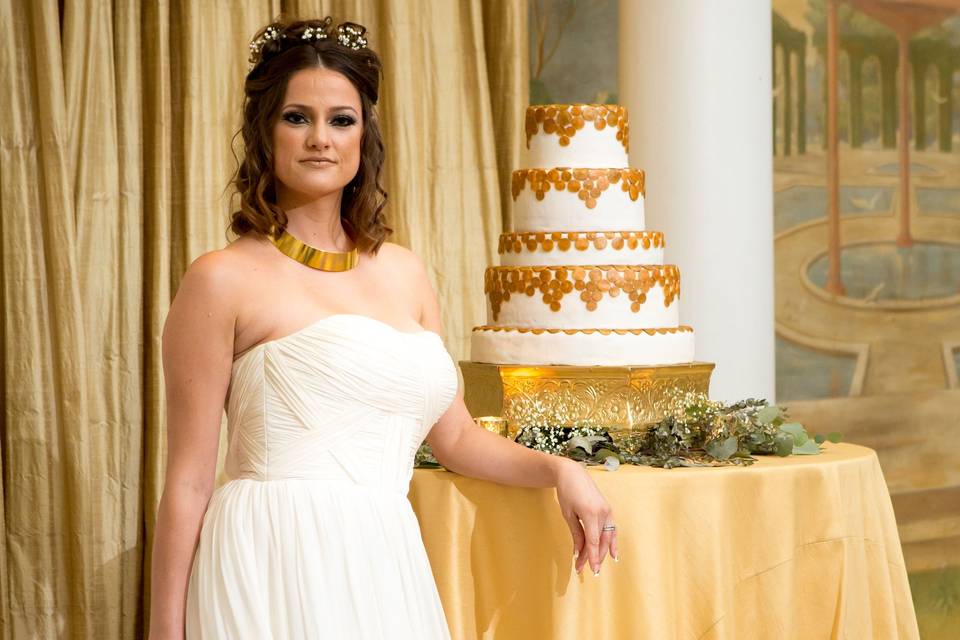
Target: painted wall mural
<point>871,304</point>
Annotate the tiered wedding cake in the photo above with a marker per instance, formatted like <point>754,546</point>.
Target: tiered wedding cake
<point>581,282</point>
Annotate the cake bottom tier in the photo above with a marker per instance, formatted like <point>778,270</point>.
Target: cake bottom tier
<point>582,347</point>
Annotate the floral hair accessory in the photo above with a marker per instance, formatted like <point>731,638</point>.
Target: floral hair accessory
<point>272,32</point>
<point>348,34</point>
<point>318,33</point>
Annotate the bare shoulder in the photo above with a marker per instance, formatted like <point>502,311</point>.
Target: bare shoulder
<point>205,297</point>
<point>213,275</point>
<point>211,291</point>
<point>220,272</point>
<point>395,256</point>
<point>397,260</point>
<point>213,267</point>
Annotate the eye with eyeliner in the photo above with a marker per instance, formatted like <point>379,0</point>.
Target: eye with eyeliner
<point>340,120</point>
<point>292,114</point>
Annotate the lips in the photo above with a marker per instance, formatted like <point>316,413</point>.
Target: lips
<point>317,163</point>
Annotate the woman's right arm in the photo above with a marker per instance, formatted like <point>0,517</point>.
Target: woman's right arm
<point>197,347</point>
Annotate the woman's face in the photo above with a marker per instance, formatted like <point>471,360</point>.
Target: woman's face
<point>321,118</point>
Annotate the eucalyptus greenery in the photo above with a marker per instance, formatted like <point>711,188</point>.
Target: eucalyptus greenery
<point>702,432</point>
<point>696,432</point>
<point>424,458</point>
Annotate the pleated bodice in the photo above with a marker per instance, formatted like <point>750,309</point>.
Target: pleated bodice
<point>346,398</point>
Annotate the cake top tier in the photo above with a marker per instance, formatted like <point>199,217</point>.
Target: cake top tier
<point>577,135</point>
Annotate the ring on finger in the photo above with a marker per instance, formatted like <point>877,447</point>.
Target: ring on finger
<point>609,527</point>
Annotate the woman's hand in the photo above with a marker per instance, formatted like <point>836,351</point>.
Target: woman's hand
<point>586,512</point>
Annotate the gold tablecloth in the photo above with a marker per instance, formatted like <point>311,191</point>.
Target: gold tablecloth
<point>804,547</point>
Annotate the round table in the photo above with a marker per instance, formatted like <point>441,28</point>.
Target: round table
<point>800,547</point>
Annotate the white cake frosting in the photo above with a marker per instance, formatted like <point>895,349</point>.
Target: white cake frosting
<point>580,280</point>
<point>584,349</point>
<point>589,148</point>
<point>565,211</point>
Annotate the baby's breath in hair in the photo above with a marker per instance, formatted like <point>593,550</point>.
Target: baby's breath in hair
<point>268,41</point>
<point>271,33</point>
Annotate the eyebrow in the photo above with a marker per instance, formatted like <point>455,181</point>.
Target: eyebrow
<point>310,109</point>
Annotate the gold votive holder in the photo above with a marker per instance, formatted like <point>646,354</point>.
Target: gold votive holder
<point>495,424</point>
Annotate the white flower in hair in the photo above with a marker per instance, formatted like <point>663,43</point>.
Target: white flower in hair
<point>350,34</point>
<point>318,33</point>
<point>272,32</point>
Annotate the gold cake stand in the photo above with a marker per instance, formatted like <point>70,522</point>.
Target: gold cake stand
<point>621,399</point>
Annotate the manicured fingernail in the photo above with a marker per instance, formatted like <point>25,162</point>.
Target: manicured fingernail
<point>596,573</point>
<point>576,553</point>
<point>616,558</point>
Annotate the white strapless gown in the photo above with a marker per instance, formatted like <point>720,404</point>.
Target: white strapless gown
<point>313,535</point>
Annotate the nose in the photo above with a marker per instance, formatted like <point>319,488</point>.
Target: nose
<point>319,136</point>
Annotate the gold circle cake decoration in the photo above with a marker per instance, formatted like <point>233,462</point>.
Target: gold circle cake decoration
<point>587,184</point>
<point>517,241</point>
<point>565,120</point>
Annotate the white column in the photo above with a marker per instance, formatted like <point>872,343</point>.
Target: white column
<point>695,76</point>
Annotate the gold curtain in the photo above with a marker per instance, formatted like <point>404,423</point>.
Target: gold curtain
<point>115,128</point>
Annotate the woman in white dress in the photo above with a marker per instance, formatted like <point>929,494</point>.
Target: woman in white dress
<point>323,343</point>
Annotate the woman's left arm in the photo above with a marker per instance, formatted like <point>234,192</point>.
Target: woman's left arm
<point>462,446</point>
<point>470,450</point>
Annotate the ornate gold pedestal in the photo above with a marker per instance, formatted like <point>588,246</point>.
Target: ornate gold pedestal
<point>620,399</point>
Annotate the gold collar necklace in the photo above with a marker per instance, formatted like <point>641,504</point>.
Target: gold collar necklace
<point>314,257</point>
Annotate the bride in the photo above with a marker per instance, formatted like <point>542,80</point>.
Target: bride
<point>323,343</point>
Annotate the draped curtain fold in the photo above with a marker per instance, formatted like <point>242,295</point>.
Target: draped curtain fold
<point>115,150</point>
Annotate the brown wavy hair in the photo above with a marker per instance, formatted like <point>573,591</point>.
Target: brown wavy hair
<point>363,201</point>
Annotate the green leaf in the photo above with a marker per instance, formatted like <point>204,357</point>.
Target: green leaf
<point>796,430</point>
<point>604,453</point>
<point>582,442</point>
<point>784,444</point>
<point>685,462</point>
<point>768,414</point>
<point>834,436</point>
<point>722,449</point>
<point>756,438</point>
<point>807,449</point>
